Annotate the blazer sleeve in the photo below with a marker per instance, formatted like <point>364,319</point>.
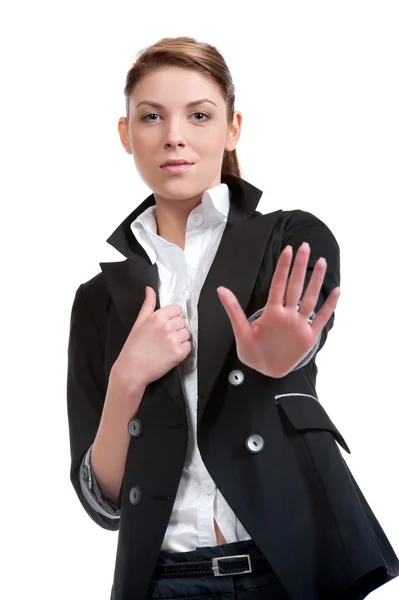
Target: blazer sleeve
<point>92,492</point>
<point>301,226</point>
<point>86,391</point>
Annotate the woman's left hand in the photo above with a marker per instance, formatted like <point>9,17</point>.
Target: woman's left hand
<point>281,337</point>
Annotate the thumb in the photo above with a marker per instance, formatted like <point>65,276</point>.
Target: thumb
<point>148,305</point>
<point>239,321</point>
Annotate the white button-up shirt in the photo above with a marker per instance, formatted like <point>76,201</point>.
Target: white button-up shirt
<point>181,274</point>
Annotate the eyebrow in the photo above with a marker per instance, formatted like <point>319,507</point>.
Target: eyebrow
<point>194,103</point>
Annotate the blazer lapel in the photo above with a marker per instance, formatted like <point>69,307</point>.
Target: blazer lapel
<point>126,282</point>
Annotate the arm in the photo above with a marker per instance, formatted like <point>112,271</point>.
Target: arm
<point>98,416</point>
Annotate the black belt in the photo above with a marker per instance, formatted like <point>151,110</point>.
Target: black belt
<point>218,567</point>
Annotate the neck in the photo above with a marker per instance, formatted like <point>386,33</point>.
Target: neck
<point>172,215</point>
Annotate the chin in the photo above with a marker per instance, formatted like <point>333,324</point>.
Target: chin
<point>177,189</point>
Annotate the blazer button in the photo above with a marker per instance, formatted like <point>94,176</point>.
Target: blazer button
<point>255,443</point>
<point>236,377</point>
<point>135,495</point>
<point>135,428</point>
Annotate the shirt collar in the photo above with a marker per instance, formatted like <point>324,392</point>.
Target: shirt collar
<point>214,208</point>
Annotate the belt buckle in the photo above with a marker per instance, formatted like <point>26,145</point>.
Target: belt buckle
<point>215,565</point>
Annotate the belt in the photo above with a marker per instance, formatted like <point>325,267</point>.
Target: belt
<point>218,567</point>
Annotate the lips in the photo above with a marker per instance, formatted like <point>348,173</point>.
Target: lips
<point>176,168</point>
<point>172,163</point>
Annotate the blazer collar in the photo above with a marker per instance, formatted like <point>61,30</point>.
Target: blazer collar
<point>245,198</point>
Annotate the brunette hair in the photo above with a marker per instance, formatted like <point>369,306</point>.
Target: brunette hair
<point>188,53</point>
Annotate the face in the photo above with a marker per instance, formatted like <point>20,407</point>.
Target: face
<point>187,120</point>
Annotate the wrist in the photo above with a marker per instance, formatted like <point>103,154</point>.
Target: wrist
<point>131,384</point>
<point>124,393</point>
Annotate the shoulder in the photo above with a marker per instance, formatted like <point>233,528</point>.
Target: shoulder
<point>301,220</point>
<point>93,294</point>
<point>296,226</point>
<point>94,287</point>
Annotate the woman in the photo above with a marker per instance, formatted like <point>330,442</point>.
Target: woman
<point>195,426</point>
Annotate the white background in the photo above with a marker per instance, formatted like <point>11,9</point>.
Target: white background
<point>317,83</point>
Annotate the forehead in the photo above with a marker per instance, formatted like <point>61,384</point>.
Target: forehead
<point>176,86</point>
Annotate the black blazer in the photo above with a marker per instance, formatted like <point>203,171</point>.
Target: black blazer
<point>296,497</point>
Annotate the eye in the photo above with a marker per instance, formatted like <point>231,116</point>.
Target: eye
<point>202,113</point>
<point>149,115</point>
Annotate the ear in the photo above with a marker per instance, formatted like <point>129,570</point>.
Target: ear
<point>124,134</point>
<point>234,132</point>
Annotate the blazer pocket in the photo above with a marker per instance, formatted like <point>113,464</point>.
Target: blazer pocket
<point>306,413</point>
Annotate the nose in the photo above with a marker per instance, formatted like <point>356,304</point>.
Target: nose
<point>174,137</point>
<point>174,143</point>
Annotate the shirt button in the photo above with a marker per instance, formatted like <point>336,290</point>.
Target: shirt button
<point>210,488</point>
<point>197,219</point>
<point>191,363</point>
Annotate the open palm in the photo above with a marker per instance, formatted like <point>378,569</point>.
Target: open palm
<point>282,336</point>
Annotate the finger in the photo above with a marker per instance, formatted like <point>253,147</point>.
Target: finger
<point>178,323</point>
<point>183,335</point>
<point>186,347</point>
<point>238,319</point>
<point>311,295</point>
<point>148,305</point>
<point>297,277</point>
<point>326,311</point>
<point>172,310</point>
<point>279,281</point>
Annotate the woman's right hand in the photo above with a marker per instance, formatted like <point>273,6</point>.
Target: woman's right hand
<point>157,342</point>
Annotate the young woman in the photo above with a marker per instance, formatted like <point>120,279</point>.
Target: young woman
<point>195,426</point>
